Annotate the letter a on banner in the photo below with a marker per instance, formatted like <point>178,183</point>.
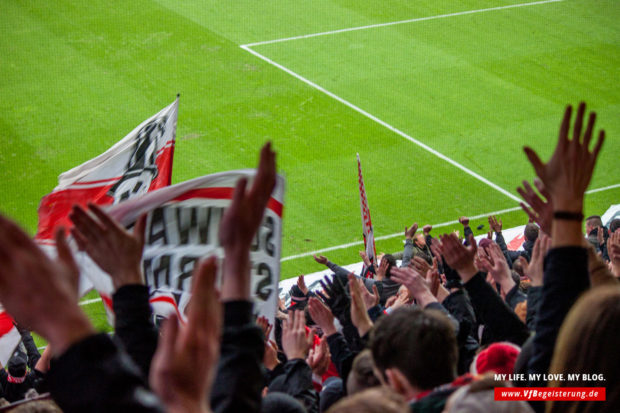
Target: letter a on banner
<point>182,226</point>
<point>369,237</point>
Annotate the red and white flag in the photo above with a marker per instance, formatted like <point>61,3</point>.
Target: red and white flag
<point>369,237</point>
<point>182,227</point>
<point>9,337</point>
<point>138,163</point>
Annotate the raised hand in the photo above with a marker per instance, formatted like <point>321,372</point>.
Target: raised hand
<point>436,248</point>
<point>321,259</point>
<point>458,256</point>
<point>319,358</point>
<point>239,225</point>
<point>410,232</point>
<point>114,249</point>
<point>381,271</point>
<point>534,269</point>
<point>420,265</point>
<point>370,299</point>
<point>416,284</point>
<point>40,293</point>
<point>245,213</point>
<point>184,364</point>
<point>301,283</point>
<point>336,297</point>
<point>464,221</point>
<point>539,210</point>
<point>295,341</point>
<point>359,312</point>
<point>322,316</point>
<point>426,229</point>
<point>495,264</point>
<point>495,224</point>
<point>568,173</point>
<point>264,325</point>
<point>270,358</point>
<point>365,258</point>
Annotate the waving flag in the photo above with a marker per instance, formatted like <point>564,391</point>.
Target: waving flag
<point>9,337</point>
<point>369,237</point>
<point>140,162</point>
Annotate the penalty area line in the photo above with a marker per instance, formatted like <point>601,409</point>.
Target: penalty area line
<point>383,123</point>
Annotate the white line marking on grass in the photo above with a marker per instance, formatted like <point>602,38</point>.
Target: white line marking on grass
<point>418,19</point>
<point>443,224</point>
<point>384,124</point>
<point>397,234</point>
<point>86,302</point>
<point>605,188</point>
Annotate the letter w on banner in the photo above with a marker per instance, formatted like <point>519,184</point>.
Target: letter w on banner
<point>369,237</point>
<point>140,162</point>
<point>182,227</point>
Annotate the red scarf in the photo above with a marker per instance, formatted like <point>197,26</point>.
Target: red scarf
<point>16,380</point>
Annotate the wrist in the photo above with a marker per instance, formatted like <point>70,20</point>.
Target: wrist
<point>425,298</point>
<point>364,327</point>
<point>295,355</point>
<point>466,273</point>
<point>127,277</point>
<point>187,406</point>
<point>506,283</point>
<point>567,204</point>
<point>68,331</point>
<point>330,330</point>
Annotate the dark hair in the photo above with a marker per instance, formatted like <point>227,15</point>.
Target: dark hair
<point>531,232</point>
<point>594,220</point>
<point>391,262</point>
<point>374,400</point>
<point>419,343</point>
<point>362,375</point>
<point>614,225</point>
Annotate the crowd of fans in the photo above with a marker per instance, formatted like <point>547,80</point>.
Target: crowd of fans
<point>430,335</point>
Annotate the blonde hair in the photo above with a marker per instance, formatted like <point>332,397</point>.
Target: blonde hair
<point>589,343</point>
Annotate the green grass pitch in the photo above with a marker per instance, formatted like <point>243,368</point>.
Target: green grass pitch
<point>476,87</point>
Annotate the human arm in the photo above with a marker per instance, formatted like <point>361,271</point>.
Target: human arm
<point>408,249</point>
<point>239,377</point>
<point>566,177</point>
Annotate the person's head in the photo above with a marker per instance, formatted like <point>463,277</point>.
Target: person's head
<point>593,222</point>
<point>375,400</point>
<point>531,232</point>
<point>499,358</point>
<point>419,240</point>
<point>614,225</point>
<point>17,364</point>
<point>391,262</point>
<point>588,342</point>
<point>414,350</point>
<point>277,402</point>
<point>362,375</point>
<point>479,397</point>
<point>517,266</point>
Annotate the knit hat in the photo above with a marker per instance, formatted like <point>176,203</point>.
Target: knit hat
<point>17,364</point>
<point>498,357</point>
<point>298,298</point>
